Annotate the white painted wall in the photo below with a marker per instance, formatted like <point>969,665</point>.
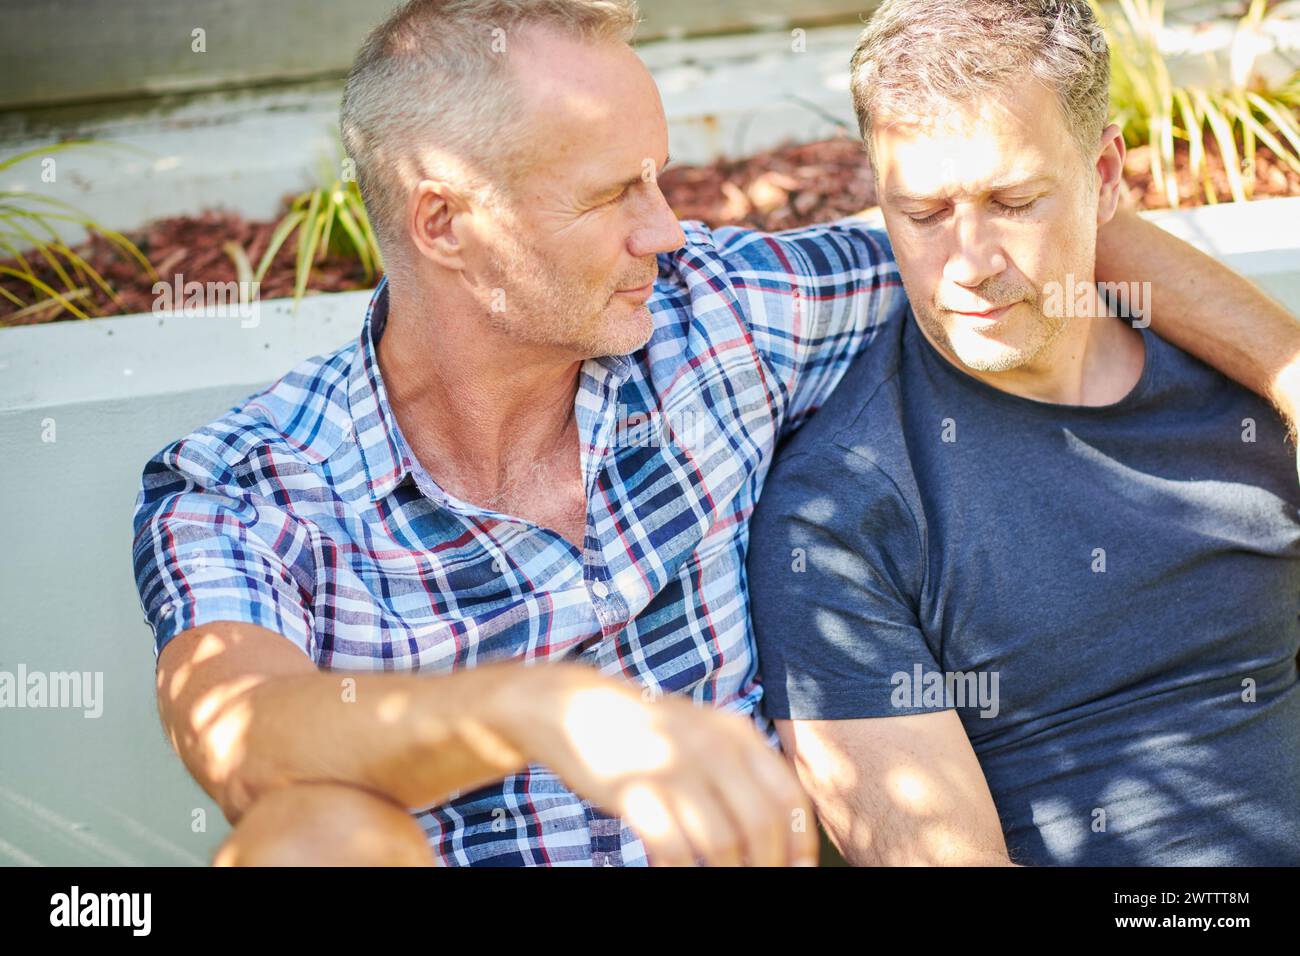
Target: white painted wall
<point>109,790</point>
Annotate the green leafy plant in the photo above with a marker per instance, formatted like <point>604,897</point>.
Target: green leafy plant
<point>329,218</point>
<point>27,233</point>
<point>1235,115</point>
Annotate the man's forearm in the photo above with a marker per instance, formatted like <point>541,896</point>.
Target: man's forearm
<point>414,739</point>
<point>1205,308</point>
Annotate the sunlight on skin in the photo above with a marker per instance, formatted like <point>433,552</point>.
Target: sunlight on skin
<point>210,707</point>
<point>393,707</point>
<point>225,738</point>
<point>605,734</point>
<point>939,146</point>
<point>209,646</point>
<point>368,845</point>
<point>487,742</point>
<point>645,813</point>
<point>831,770</point>
<point>856,829</point>
<point>943,844</point>
<point>221,713</point>
<point>914,792</point>
<point>690,818</point>
<point>179,679</point>
<point>834,766</point>
<point>614,734</point>
<point>919,794</point>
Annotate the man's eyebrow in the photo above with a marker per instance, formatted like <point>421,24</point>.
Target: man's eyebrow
<point>1002,186</point>
<point>630,181</point>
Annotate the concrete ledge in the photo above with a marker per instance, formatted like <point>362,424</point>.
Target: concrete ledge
<point>1261,240</point>
<point>150,355</point>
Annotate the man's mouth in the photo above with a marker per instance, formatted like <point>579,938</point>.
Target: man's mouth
<point>641,292</point>
<point>986,315</point>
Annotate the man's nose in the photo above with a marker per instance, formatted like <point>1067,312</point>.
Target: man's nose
<point>976,253</point>
<point>657,228</point>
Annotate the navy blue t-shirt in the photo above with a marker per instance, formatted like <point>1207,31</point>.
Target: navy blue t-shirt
<point>1109,596</point>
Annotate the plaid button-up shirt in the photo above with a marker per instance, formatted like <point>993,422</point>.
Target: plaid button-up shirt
<point>304,511</point>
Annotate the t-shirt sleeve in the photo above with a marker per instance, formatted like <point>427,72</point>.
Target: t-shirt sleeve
<point>835,573</point>
<point>815,297</point>
<point>206,550</point>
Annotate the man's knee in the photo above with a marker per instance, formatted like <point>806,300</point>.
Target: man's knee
<point>325,825</point>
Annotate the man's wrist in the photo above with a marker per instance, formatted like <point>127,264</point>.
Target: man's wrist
<point>518,699</point>
<point>529,704</point>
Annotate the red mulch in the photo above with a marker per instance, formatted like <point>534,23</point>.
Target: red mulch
<point>192,247</point>
<point>1272,178</point>
<point>776,189</point>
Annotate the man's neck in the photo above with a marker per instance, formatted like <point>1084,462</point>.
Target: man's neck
<point>475,406</point>
<point>1095,360</point>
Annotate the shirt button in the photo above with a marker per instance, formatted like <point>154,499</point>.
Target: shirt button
<point>599,589</point>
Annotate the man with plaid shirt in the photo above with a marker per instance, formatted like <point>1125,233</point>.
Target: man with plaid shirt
<point>474,584</point>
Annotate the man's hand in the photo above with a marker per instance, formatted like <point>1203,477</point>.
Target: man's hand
<point>691,781</point>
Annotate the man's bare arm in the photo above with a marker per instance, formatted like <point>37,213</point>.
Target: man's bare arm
<point>898,791</point>
<point>1206,309</point>
<point>249,713</point>
<point>239,704</point>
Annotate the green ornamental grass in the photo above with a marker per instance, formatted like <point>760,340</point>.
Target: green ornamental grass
<point>27,233</point>
<point>1233,116</point>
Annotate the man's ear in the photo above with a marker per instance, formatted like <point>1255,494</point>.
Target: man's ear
<point>1110,173</point>
<point>433,210</point>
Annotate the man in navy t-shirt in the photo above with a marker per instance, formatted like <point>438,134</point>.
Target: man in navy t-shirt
<point>1026,589</point>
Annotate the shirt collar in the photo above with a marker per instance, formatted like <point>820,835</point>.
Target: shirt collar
<point>372,419</point>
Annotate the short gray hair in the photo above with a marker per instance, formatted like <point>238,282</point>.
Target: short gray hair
<point>916,54</point>
<point>430,90</point>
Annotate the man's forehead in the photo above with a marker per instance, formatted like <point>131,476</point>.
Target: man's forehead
<point>1030,107</point>
<point>965,149</point>
<point>911,170</point>
<point>587,79</point>
<point>600,154</point>
<point>590,106</point>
